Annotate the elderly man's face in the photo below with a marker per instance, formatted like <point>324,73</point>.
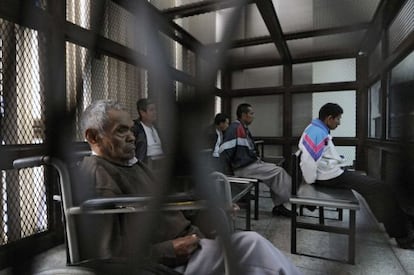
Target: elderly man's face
<point>118,142</point>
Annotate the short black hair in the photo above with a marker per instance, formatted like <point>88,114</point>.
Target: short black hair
<point>219,118</point>
<point>330,109</point>
<point>242,108</point>
<point>143,103</point>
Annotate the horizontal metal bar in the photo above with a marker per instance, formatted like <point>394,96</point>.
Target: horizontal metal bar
<point>327,203</point>
<point>323,228</point>
<point>246,190</point>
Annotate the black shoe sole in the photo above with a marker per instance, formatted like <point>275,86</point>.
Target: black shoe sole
<point>278,213</point>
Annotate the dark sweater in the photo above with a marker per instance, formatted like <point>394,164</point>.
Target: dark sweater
<point>120,235</point>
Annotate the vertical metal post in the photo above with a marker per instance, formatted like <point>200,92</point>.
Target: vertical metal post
<point>256,200</point>
<point>351,240</point>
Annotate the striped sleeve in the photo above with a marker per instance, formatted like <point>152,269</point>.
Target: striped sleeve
<point>312,144</point>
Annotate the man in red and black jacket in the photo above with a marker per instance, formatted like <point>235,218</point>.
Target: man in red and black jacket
<point>239,152</point>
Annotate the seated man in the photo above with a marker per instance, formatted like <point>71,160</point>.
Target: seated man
<point>113,170</point>
<point>238,149</point>
<point>321,164</point>
<point>214,135</point>
<point>147,140</point>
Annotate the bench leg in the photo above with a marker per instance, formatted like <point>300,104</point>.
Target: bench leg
<point>351,240</point>
<point>321,215</point>
<point>248,213</point>
<point>256,201</point>
<point>293,231</point>
<point>340,214</point>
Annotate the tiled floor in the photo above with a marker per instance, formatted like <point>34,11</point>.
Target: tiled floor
<point>375,253</point>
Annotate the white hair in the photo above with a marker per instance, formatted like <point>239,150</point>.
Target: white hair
<point>96,116</point>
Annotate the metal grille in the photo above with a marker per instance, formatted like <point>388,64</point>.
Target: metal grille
<point>100,78</point>
<point>189,63</point>
<point>120,26</point>
<point>301,15</point>
<point>402,26</point>
<point>23,198</point>
<point>23,204</point>
<point>117,23</point>
<point>21,87</point>
<point>78,12</point>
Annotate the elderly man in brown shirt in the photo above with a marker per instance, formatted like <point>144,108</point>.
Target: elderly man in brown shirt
<point>113,170</point>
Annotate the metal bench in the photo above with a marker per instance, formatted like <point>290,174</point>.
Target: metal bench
<point>319,197</point>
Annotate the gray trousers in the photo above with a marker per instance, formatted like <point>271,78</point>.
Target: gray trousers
<point>250,254</point>
<point>278,180</point>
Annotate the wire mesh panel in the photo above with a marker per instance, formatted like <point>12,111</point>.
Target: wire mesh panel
<point>22,88</point>
<point>185,60</point>
<point>23,204</point>
<point>115,22</point>
<point>23,197</point>
<point>402,26</point>
<point>101,77</point>
<point>120,25</point>
<point>78,12</point>
<point>303,15</point>
<point>23,64</point>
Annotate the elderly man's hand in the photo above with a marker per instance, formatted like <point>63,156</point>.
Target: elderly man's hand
<point>185,246</point>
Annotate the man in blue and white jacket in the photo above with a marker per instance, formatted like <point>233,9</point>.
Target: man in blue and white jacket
<point>321,164</point>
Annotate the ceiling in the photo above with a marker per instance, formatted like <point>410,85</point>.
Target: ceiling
<point>275,32</point>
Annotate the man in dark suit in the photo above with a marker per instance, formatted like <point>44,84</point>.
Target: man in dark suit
<point>147,140</point>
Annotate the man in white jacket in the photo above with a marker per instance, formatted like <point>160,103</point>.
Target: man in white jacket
<point>321,164</point>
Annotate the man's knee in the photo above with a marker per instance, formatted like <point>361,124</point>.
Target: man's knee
<point>247,237</point>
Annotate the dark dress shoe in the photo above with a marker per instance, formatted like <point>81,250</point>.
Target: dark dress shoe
<point>281,210</point>
<point>310,207</point>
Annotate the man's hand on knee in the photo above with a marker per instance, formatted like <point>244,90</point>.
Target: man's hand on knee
<point>185,246</point>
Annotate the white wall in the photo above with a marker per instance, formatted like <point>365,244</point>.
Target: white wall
<point>260,77</point>
<point>268,115</point>
<point>334,71</point>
